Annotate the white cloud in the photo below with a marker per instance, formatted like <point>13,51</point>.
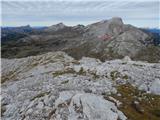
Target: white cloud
<point>85,0</point>
<point>79,11</point>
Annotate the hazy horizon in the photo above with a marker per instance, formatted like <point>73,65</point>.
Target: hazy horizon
<point>140,13</point>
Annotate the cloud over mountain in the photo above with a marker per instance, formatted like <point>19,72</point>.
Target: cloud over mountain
<point>47,12</point>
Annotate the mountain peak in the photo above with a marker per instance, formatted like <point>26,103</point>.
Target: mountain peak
<point>113,26</point>
<point>116,20</point>
<point>60,24</point>
<point>56,27</point>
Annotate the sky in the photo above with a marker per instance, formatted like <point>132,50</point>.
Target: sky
<point>140,13</point>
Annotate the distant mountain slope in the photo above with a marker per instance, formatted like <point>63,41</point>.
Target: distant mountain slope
<point>156,35</point>
<point>154,30</point>
<point>15,33</point>
<point>107,39</point>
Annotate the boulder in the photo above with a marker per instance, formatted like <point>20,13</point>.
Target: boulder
<point>87,107</point>
<point>155,87</point>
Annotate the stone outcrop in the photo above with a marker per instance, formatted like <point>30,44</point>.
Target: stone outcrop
<point>56,86</point>
<point>86,106</point>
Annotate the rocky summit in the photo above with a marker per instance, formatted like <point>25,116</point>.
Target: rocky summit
<point>55,86</point>
<point>105,40</point>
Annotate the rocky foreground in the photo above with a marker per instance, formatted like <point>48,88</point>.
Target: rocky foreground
<point>54,86</point>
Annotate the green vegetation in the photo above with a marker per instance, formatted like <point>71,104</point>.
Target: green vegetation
<point>115,74</point>
<point>125,77</point>
<point>150,53</point>
<point>81,72</point>
<point>95,76</point>
<point>110,54</point>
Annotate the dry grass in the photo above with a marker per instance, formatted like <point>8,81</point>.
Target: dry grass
<point>147,102</point>
<point>10,76</point>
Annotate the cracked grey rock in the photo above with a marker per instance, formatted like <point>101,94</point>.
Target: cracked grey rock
<point>52,92</point>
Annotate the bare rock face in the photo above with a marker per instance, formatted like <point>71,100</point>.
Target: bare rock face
<point>122,40</point>
<point>54,86</point>
<point>155,87</point>
<point>115,26</point>
<point>111,27</point>
<point>129,42</point>
<point>86,106</point>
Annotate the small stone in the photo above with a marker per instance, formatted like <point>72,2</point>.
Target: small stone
<point>137,107</point>
<point>29,111</point>
<point>40,105</point>
<point>119,95</point>
<point>155,87</point>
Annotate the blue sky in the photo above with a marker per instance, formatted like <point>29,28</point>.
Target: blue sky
<point>141,13</point>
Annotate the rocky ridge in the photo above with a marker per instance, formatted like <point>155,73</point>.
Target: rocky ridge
<point>56,27</point>
<point>105,40</point>
<point>55,86</point>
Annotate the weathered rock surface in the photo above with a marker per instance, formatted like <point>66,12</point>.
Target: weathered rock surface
<point>55,86</point>
<point>121,40</point>
<point>113,26</point>
<point>86,106</point>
